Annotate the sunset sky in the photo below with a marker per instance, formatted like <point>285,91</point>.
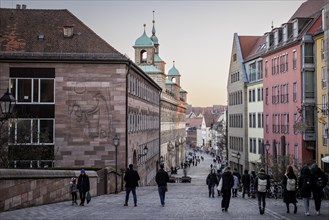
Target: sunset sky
<point>198,35</point>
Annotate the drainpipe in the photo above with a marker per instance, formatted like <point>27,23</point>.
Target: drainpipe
<point>159,126</point>
<point>127,84</point>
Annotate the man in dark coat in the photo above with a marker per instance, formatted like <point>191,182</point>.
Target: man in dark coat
<point>246,183</point>
<point>320,181</point>
<point>131,178</point>
<point>228,181</point>
<point>83,186</point>
<point>161,179</point>
<point>305,184</point>
<point>212,181</point>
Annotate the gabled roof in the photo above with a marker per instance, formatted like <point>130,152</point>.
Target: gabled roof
<point>258,48</point>
<point>308,9</point>
<point>247,43</point>
<point>20,29</point>
<point>194,122</point>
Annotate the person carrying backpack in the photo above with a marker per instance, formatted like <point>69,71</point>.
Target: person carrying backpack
<point>320,181</point>
<point>289,186</point>
<point>305,184</point>
<point>262,184</point>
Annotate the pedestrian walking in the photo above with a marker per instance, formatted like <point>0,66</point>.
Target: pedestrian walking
<point>235,186</point>
<point>228,181</point>
<point>236,173</point>
<point>212,181</point>
<point>83,186</point>
<point>289,185</point>
<point>74,190</point>
<point>246,183</point>
<point>262,184</point>
<point>305,184</point>
<point>161,179</point>
<point>252,184</point>
<point>321,181</point>
<point>131,178</point>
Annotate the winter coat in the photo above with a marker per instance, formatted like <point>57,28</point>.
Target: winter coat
<point>83,183</point>
<point>212,179</point>
<point>289,196</point>
<point>262,176</point>
<point>319,177</point>
<point>236,182</point>
<point>228,180</point>
<point>162,178</point>
<point>237,174</point>
<point>131,178</point>
<point>305,192</point>
<point>246,180</point>
<point>73,187</point>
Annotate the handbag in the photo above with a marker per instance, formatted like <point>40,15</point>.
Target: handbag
<point>220,185</point>
<point>88,197</point>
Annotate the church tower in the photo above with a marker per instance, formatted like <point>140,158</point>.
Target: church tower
<point>144,50</point>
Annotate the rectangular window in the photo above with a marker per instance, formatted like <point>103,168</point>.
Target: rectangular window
<point>322,50</point>
<point>267,123</point>
<point>308,53</point>
<point>259,115</point>
<point>325,136</point>
<point>294,95</point>
<point>294,59</point>
<point>32,131</point>
<point>295,28</point>
<point>260,69</point>
<point>324,77</point>
<point>250,120</point>
<point>266,68</point>
<point>258,94</point>
<point>324,105</point>
<point>296,154</point>
<point>33,90</point>
<point>253,95</point>
<point>309,84</point>
<point>254,120</point>
<point>295,121</point>
<point>266,96</point>
<point>252,69</point>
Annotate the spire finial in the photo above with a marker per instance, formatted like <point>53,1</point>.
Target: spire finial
<point>153,29</point>
<point>272,25</point>
<point>173,62</point>
<point>144,26</point>
<point>153,16</point>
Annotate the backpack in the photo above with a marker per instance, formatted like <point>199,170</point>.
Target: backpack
<point>319,182</point>
<point>291,184</point>
<point>262,184</point>
<point>307,183</point>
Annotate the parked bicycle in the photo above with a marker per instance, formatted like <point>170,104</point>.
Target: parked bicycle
<point>275,190</point>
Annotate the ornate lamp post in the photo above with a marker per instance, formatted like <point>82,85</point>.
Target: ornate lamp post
<point>7,104</point>
<point>267,147</point>
<point>145,151</point>
<point>238,155</point>
<point>116,141</point>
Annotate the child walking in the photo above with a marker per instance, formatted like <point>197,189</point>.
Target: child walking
<point>74,190</point>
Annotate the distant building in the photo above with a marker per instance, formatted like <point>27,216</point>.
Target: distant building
<point>173,98</point>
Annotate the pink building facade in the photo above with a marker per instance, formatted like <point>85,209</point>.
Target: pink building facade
<point>289,89</point>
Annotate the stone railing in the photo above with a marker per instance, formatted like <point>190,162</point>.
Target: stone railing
<point>21,188</point>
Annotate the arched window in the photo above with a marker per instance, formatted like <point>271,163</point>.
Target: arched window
<point>143,56</point>
<point>173,80</point>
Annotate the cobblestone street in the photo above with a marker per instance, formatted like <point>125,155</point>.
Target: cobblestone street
<point>183,201</point>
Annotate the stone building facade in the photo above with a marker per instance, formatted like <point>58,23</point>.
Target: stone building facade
<point>173,99</point>
<point>77,90</point>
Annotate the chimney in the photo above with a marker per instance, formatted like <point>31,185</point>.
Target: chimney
<point>18,6</point>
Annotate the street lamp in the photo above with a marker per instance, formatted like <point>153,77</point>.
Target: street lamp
<point>238,155</point>
<point>116,141</point>
<point>145,150</point>
<point>7,103</point>
<point>267,147</point>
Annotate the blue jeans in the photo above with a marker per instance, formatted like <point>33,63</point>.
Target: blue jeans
<point>162,194</point>
<point>133,190</point>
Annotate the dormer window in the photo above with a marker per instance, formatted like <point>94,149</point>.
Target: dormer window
<point>285,33</point>
<point>68,31</point>
<point>276,37</point>
<point>295,28</point>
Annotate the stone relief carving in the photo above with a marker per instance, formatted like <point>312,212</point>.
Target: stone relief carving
<point>91,114</point>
